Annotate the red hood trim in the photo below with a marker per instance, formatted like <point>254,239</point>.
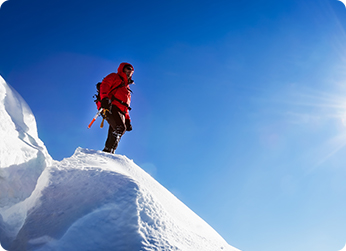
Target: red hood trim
<point>121,68</point>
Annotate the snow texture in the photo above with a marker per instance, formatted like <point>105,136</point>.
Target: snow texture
<point>90,201</point>
<point>23,156</point>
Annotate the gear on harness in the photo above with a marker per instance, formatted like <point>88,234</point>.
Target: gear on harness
<point>103,114</point>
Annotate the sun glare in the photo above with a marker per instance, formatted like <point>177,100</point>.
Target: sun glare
<point>324,113</point>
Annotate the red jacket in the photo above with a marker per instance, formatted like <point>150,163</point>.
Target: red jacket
<point>116,87</point>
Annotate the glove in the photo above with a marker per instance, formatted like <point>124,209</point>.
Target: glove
<point>128,125</point>
<point>105,103</point>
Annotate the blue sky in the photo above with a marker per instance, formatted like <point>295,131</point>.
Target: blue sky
<point>239,107</point>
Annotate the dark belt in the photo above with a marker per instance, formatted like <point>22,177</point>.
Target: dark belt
<point>122,102</point>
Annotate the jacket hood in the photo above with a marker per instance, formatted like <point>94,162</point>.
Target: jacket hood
<point>121,68</point>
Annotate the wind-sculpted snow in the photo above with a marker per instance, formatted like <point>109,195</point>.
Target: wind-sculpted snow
<point>90,201</point>
<point>99,201</point>
<point>19,140</point>
<point>81,197</point>
<point>23,156</point>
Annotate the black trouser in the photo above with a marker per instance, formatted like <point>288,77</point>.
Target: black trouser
<point>117,128</point>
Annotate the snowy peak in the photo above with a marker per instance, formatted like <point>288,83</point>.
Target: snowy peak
<point>113,200</point>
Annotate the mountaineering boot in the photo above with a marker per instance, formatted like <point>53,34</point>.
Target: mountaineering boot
<point>117,137</point>
<point>107,150</point>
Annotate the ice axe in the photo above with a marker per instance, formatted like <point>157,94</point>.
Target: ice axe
<point>97,114</point>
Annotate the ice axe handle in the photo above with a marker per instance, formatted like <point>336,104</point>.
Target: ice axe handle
<point>93,120</point>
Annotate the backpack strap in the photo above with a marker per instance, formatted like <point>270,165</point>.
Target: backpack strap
<point>116,99</point>
<point>121,85</point>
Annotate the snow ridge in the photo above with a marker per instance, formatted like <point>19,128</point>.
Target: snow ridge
<point>113,200</point>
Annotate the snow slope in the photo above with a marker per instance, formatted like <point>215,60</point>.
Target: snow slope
<point>90,201</point>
